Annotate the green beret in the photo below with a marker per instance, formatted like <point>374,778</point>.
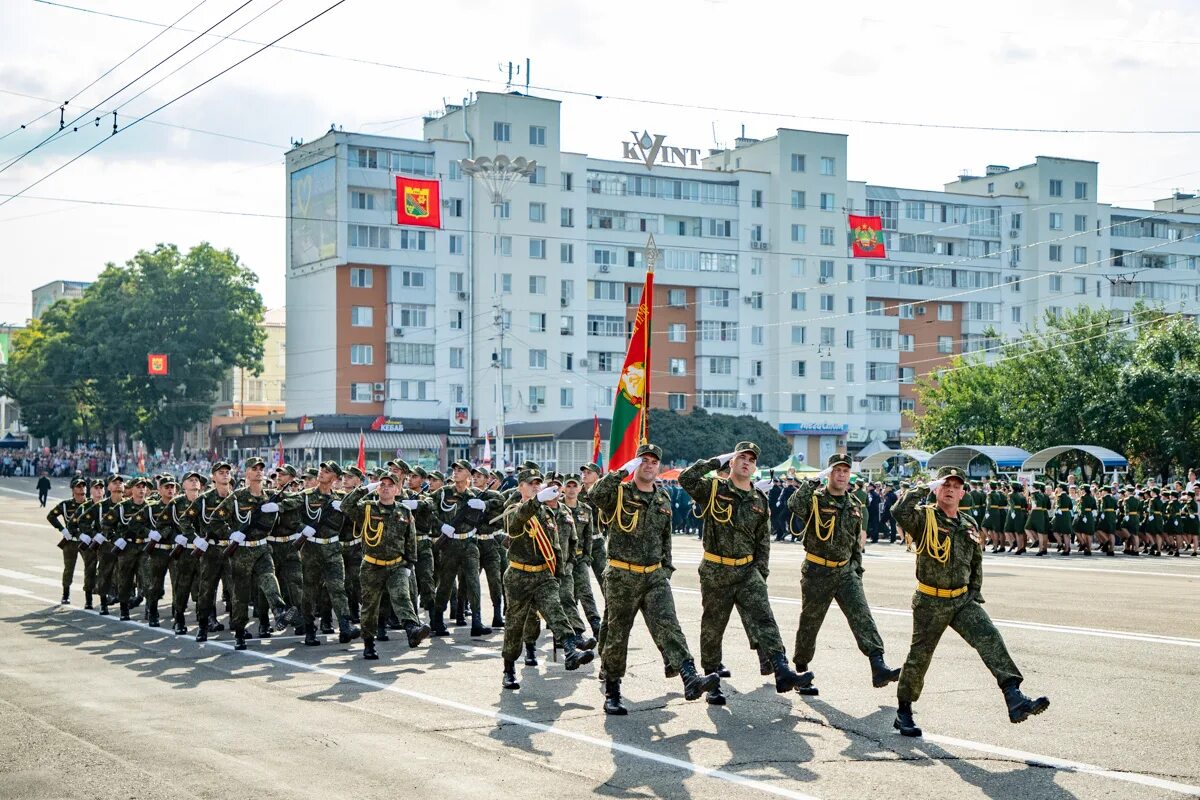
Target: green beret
<point>837,459</point>
<point>952,472</point>
<point>649,450</point>
<point>747,447</point>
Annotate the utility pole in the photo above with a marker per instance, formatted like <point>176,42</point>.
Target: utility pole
<point>498,363</point>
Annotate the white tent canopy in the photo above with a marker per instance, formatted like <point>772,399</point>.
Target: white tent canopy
<point>876,460</point>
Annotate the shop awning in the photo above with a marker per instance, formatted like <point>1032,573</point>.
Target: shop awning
<point>374,440</point>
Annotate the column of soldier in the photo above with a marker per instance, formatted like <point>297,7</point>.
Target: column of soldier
<point>372,548</point>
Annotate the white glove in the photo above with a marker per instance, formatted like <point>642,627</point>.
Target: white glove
<point>269,508</point>
<point>823,474</point>
<point>83,537</point>
<point>549,493</point>
<point>201,544</point>
<point>935,485</point>
<point>237,536</point>
<point>371,487</point>
<point>100,538</point>
<point>120,543</point>
<point>632,464</point>
<point>308,531</point>
<point>477,504</point>
<point>181,540</point>
<point>447,530</point>
<point>155,536</point>
<point>764,485</point>
<point>66,535</point>
<point>725,458</point>
<point>337,505</point>
<point>410,504</point>
<point>472,531</point>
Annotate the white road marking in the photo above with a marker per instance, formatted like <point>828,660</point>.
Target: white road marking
<point>688,766</point>
<point>25,576</point>
<point>1010,623</point>
<point>993,563</point>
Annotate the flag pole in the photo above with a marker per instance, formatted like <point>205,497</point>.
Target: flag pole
<point>651,255</point>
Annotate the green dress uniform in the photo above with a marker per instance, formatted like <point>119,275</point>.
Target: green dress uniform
<point>86,524</point>
<point>62,518</point>
<point>1063,506</point>
<point>457,523</point>
<point>1106,521</point>
<point>1085,521</point>
<point>125,525</point>
<point>1132,520</point>
<point>1018,513</point>
<point>997,506</point>
<point>1154,516</point>
<point>1039,512</point>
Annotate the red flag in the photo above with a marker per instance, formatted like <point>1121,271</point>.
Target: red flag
<point>279,453</point>
<point>156,364</point>
<point>362,451</point>
<point>631,407</point>
<point>866,237</point>
<point>596,441</point>
<point>418,202</point>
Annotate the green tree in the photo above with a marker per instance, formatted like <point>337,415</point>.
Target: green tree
<point>687,437</point>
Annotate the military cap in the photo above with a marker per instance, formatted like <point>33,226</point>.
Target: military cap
<point>289,469</point>
<point>437,475</point>
<point>1106,489</point>
<point>164,478</point>
<point>420,472</point>
<point>747,447</point>
<point>355,471</point>
<point>167,481</point>
<point>254,461</point>
<point>838,459</point>
<point>945,473</point>
<point>528,476</point>
<point>479,469</point>
<point>311,472</point>
<point>78,482</point>
<point>1086,488</point>
<point>571,477</point>
<point>649,450</point>
<point>591,466</point>
<point>461,463</point>
<point>399,464</point>
<point>1017,487</point>
<point>114,478</point>
<point>138,481</point>
<point>497,474</point>
<point>333,467</point>
<point>530,464</point>
<point>1064,485</point>
<point>386,476</point>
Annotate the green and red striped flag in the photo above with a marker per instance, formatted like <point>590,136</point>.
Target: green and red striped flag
<point>630,420</point>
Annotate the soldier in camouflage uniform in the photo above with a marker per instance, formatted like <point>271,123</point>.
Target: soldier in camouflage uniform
<point>737,546</point>
<point>536,558</point>
<point>590,473</point>
<point>949,550</point>
<point>832,568</point>
<point>156,559</point>
<point>585,527</point>
<point>126,525</point>
<point>207,516</point>
<point>62,517</point>
<point>490,536</point>
<point>106,564</point>
<point>425,573</point>
<point>638,515</point>
<point>86,523</point>
<point>459,510</point>
<point>289,569</point>
<point>389,552</point>
<point>176,521</point>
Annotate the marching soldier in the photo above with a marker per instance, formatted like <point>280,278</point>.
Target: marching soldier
<point>177,520</point>
<point>1018,515</point>
<point>588,474</point>
<point>1085,522</point>
<point>1063,506</point>
<point>106,567</point>
<point>490,536</point>
<point>62,517</point>
<point>156,556</point>
<point>832,522</point>
<point>207,516</point>
<point>352,478</point>
<point>127,525</point>
<point>289,569</point>
<point>459,510</point>
<point>737,545</point>
<point>1106,521</point>
<point>949,581</point>
<point>638,576</point>
<point>87,524</point>
<point>585,525</point>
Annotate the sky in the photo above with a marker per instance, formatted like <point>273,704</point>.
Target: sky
<point>696,71</point>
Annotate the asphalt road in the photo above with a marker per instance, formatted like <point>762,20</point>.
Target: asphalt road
<point>95,708</point>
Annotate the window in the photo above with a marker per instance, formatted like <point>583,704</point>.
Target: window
<point>600,325</point>
<point>1081,286</point>
<point>454,207</point>
<point>365,158</point>
<point>799,234</point>
<point>502,210</point>
<point>370,236</point>
<point>756,369</point>
<point>457,282</point>
<point>456,357</point>
<point>676,402</point>
<point>412,278</point>
<point>756,198</point>
<point>797,162</point>
<point>604,256</point>
<point>908,404</point>
<point>799,301</point>
<point>1055,188</point>
<point>501,132</point>
<point>798,267</point>
<point>827,370</point>
<point>828,165</point>
<point>827,336</point>
<point>537,322</point>
<point>945,344</point>
<point>537,359</point>
<point>905,310</point>
<point>828,203</point>
<point>827,402</point>
<point>849,339</point>
<point>362,200</point>
<point>537,248</point>
<point>676,298</point>
<point>537,212</point>
<point>411,316</point>
<point>799,334</point>
<point>907,343</point>
<point>716,331</point>
<point>908,374</point>
<point>537,135</point>
<point>538,177</point>
<point>797,199</point>
<point>718,298</point>
<point>505,283</point>
<point>362,355</point>
<point>455,171</point>
<point>827,302</point>
<point>567,326</point>
<point>411,354</point>
<point>360,393</point>
<point>409,163</point>
<point>1056,252</point>
<point>1056,221</point>
<point>826,236</point>
<point>537,395</point>
<point>720,365</point>
<point>1080,255</point>
<point>1054,311</point>
<point>1016,314</point>
<point>456,320</point>
<point>850,373</point>
<point>362,316</point>
<point>756,300</point>
<point>504,245</point>
<point>568,181</point>
<point>874,308</point>
<point>827,269</point>
<point>1015,224</point>
<point>537,284</point>
<point>1080,223</point>
<point>566,253</point>
<point>756,403</point>
<point>678,366</point>
<point>456,244</point>
<point>633,294</point>
<point>756,266</point>
<point>1081,190</point>
<point>506,320</point>
<point>566,217</point>
<point>607,290</point>
<point>413,240</point>
<point>566,361</point>
<point>798,402</point>
<point>361,277</point>
<point>799,369</point>
<point>882,339</point>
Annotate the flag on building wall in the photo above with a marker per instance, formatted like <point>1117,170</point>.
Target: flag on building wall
<point>596,458</point>
<point>418,202</point>
<point>156,364</point>
<point>866,237</point>
<point>632,403</point>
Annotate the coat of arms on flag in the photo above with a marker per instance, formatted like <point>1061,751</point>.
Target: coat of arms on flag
<point>418,202</point>
<point>866,237</point>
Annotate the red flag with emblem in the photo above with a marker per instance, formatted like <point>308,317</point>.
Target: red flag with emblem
<point>866,237</point>
<point>418,202</point>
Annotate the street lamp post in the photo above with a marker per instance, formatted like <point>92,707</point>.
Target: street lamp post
<point>497,176</point>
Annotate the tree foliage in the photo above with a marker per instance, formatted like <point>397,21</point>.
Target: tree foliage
<point>80,370</point>
<point>688,437</point>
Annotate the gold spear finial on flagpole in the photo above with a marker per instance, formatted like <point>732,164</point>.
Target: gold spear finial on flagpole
<point>651,253</point>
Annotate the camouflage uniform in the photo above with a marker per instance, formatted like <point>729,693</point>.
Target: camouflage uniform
<point>210,525</point>
<point>62,517</point>
<point>106,564</point>
<point>568,537</point>
<point>251,565</point>
<point>128,521</point>
<point>491,551</point>
<point>86,522</point>
<point>289,568</point>
<point>426,574</point>
<point>459,551</point>
<point>321,553</point>
<point>177,519</point>
<point>585,526</point>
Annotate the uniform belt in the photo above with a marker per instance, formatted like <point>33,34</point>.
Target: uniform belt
<point>528,567</point>
<point>1133,513</point>
<point>640,569</point>
<point>283,539</point>
<point>825,562</point>
<point>138,541</point>
<point>254,543</point>
<point>485,537</point>
<point>379,562</point>
<point>726,560</point>
<point>223,543</point>
<point>578,552</point>
<point>933,591</point>
<point>596,536</point>
<point>352,542</point>
<point>164,546</point>
<point>997,506</point>
<point>461,535</point>
<point>327,540</point>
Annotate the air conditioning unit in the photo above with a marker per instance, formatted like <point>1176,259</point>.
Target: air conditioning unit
<point>603,267</point>
<point>379,387</point>
<point>534,409</point>
<point>398,333</point>
<point>1019,184</point>
<point>564,301</point>
<point>583,362</point>
<point>864,403</point>
<point>1014,233</point>
<point>920,311</point>
<point>463,295</point>
<point>747,299</point>
<point>751,381</point>
<point>822,279</point>
<point>379,397</point>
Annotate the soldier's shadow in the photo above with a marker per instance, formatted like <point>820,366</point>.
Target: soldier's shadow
<point>760,731</point>
<point>632,774</point>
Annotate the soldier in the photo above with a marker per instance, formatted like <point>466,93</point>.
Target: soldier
<point>87,524</point>
<point>424,516</point>
<point>458,511</point>
<point>321,552</point>
<point>351,536</point>
<point>588,474</point>
<point>176,520</point>
<point>638,575</point>
<point>490,536</point>
<point>993,526</point>
<point>1018,515</point>
<point>1085,521</point>
<point>949,581</point>
<point>62,517</point>
<point>289,569</point>
<point>1106,521</point>
<point>389,552</point>
<point>1061,525</point>
<point>737,546</point>
<point>156,558</point>
<point>585,525</point>
<point>535,559</point>
<point>106,567</point>
<point>126,525</point>
<point>207,517</point>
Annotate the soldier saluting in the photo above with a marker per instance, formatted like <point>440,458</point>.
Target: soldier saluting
<point>949,580</point>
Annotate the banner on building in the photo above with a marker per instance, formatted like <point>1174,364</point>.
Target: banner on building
<point>866,237</point>
<point>418,202</point>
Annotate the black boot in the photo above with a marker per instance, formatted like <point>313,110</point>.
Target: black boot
<point>574,658</point>
<point>124,611</point>
<point>310,634</point>
<point>439,627</point>
<point>510,675</point>
<point>346,632</point>
<point>382,634</point>
<point>612,698</point>
<point>326,623</point>
<point>530,655</point>
<point>881,673</point>
<point>66,599</point>
<point>904,720</point>
<point>785,679</point>
<point>215,624</point>
<point>694,684</point>
<point>264,628</point>
<point>285,617</point>
<point>201,630</point>
<point>152,615</point>
<point>723,671</point>
<point>180,627</point>
<point>460,617</point>
<point>136,601</point>
<point>87,602</point>
<point>584,642</point>
<point>497,618</point>
<point>246,633</point>
<point>595,623</point>
<point>764,663</point>
<point>416,633</point>
<point>239,638</point>
<point>369,649</point>
<point>809,690</point>
<point>478,628</point>
<point>1020,707</point>
<point>715,696</point>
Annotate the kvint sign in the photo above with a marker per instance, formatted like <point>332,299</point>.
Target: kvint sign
<point>651,150</point>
